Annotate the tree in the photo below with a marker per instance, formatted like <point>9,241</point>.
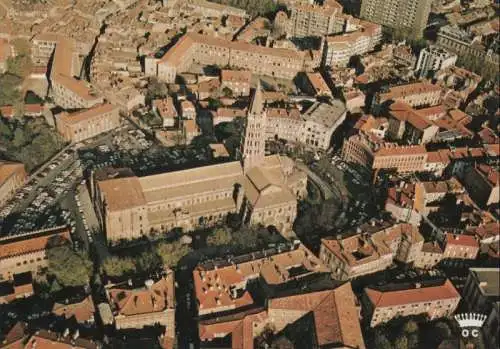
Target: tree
<point>410,327</point>
<point>171,253</point>
<point>413,341</point>
<point>148,262</point>
<point>70,268</point>
<point>227,92</point>
<point>213,104</point>
<point>219,237</point>
<point>401,342</point>
<point>156,89</point>
<point>440,331</point>
<point>9,93</point>
<point>380,340</point>
<point>116,266</point>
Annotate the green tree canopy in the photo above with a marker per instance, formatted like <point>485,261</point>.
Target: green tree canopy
<point>381,341</point>
<point>147,262</point>
<point>171,253</point>
<point>410,327</point>
<point>220,236</point>
<point>70,268</point>
<point>401,342</point>
<point>116,266</point>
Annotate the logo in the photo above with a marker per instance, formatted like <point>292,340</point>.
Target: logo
<point>470,323</point>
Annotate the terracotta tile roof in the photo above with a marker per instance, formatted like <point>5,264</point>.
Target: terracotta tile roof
<point>381,299</point>
<point>292,113</point>
<point>122,193</point>
<point>50,340</point>
<point>166,108</point>
<point>431,247</point>
<point>157,297</point>
<point>224,112</point>
<point>83,311</point>
<point>87,114</point>
<point>217,287</point>
<point>403,112</point>
<point>78,87</point>
<point>490,173</point>
<point>7,169</point>
<point>31,242</point>
<point>242,76</point>
<point>402,91</point>
<point>336,317</point>
<point>190,127</point>
<point>401,150</point>
<point>487,230</point>
<point>15,337</point>
<point>461,240</point>
<point>7,111</point>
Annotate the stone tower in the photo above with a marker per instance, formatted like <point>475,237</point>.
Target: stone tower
<point>253,143</point>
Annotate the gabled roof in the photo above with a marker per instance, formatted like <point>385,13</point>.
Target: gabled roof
<point>380,299</point>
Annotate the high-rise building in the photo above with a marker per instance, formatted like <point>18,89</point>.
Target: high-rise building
<point>432,59</point>
<point>408,15</point>
<point>314,20</point>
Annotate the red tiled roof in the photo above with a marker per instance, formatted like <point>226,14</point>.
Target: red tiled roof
<point>415,295</point>
<point>461,240</point>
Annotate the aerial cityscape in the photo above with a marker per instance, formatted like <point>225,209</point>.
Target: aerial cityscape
<point>249,174</point>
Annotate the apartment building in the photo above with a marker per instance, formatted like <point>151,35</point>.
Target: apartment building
<point>12,178</point>
<point>225,114</point>
<point>315,20</point>
<point>408,125</point>
<point>206,50</point>
<point>220,286</point>
<point>20,286</point>
<point>190,130</point>
<point>335,313</point>
<point>373,248</point>
<point>321,121</point>
<point>339,49</point>
<point>418,94</point>
<point>27,252</point>
<point>165,109</point>
<point>359,149</point>
<point>403,159</point>
<point>136,305</point>
<point>82,310</point>
<point>314,85</point>
<point>481,291</point>
<point>430,255</point>
<point>285,124</point>
<point>400,203</point>
<point>76,127</point>
<point>482,183</point>
<point>404,15</point>
<point>435,300</point>
<point>459,248</point>
<point>264,189</point>
<point>238,81</point>
<point>67,91</point>
<point>432,59</point>
<point>459,41</point>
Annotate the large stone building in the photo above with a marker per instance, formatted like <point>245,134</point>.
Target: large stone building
<point>387,302</point>
<point>207,50</point>
<point>321,121</point>
<point>66,90</point>
<point>374,248</point>
<point>148,304</point>
<point>27,252</point>
<point>262,189</point>
<point>220,286</point>
<point>76,127</point>
<point>12,177</point>
<point>418,94</point>
<point>340,48</point>
<point>314,20</point>
<point>481,289</point>
<point>406,15</point>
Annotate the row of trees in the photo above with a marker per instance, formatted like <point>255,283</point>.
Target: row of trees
<point>245,238</point>
<point>164,254</point>
<point>31,141</point>
<point>410,334</point>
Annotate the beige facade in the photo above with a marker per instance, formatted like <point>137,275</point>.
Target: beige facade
<point>320,122</point>
<point>314,20</point>
<point>408,15</point>
<point>27,252</point>
<point>264,190</point>
<point>369,252</point>
<point>12,178</point>
<point>206,50</point>
<point>433,301</point>
<point>237,81</point>
<point>402,159</point>
<point>419,94</point>
<point>359,149</point>
<point>340,48</point>
<point>284,124</point>
<point>137,306</point>
<point>76,127</point>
